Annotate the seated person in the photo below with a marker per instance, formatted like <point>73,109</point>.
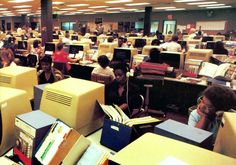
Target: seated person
<point>103,67</point>
<point>154,56</point>
<point>37,49</point>
<point>173,46</point>
<point>7,57</point>
<point>219,48</point>
<point>116,91</point>
<point>48,74</point>
<point>156,42</point>
<point>61,56</point>
<point>215,99</point>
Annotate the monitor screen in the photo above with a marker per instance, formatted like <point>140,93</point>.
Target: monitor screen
<point>139,43</point>
<point>22,45</point>
<point>207,38</point>
<point>49,46</point>
<point>210,45</point>
<point>75,37</point>
<point>122,55</point>
<point>74,49</point>
<point>55,36</point>
<point>171,58</point>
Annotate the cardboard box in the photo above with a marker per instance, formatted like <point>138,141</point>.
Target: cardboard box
<point>185,133</point>
<point>30,130</point>
<point>225,142</point>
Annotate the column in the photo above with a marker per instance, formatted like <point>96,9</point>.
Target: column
<point>46,21</point>
<point>147,20</point>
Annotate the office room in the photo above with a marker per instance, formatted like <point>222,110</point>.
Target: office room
<point>116,73</point>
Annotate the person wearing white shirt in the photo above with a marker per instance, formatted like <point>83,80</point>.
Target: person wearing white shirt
<point>173,46</point>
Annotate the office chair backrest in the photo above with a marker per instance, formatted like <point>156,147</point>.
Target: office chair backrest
<point>101,78</point>
<point>32,60</point>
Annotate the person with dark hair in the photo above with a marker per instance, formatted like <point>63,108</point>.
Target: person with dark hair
<point>116,91</point>
<point>219,48</point>
<point>103,67</point>
<point>61,56</point>
<point>7,57</point>
<point>156,42</point>
<point>211,105</point>
<point>173,46</point>
<point>110,39</point>
<point>48,74</point>
<point>154,56</point>
<point>66,39</point>
<point>37,49</point>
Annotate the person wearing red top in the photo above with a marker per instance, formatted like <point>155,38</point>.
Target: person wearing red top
<point>61,56</point>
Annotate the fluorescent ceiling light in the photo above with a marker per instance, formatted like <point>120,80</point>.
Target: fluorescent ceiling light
<point>20,1</point>
<point>118,1</point>
<point>188,0</point>
<point>176,9</point>
<point>1,4</point>
<point>100,11</point>
<point>97,7</point>
<point>211,5</point>
<point>1,9</point>
<point>160,8</point>
<point>22,6</point>
<point>139,11</point>
<point>7,11</point>
<point>115,8</point>
<point>23,10</point>
<point>128,9</point>
<point>77,5</point>
<point>201,3</point>
<point>137,4</point>
<point>90,13</point>
<point>113,12</point>
<point>85,10</point>
<point>218,7</point>
<point>57,3</point>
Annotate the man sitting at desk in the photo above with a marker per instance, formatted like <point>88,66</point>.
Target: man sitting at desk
<point>116,91</point>
<point>215,99</point>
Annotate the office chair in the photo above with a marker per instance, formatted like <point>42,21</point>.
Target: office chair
<point>146,111</point>
<point>101,78</point>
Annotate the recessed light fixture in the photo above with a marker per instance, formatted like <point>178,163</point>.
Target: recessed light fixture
<point>176,9</point>
<point>137,4</point>
<point>119,1</point>
<point>167,7</point>
<point>1,9</point>
<point>113,12</point>
<point>21,6</point>
<point>219,4</point>
<point>57,3</point>
<point>20,1</point>
<point>188,0</point>
<point>218,7</point>
<point>97,7</point>
<point>201,3</point>
<point>115,8</point>
<point>77,5</point>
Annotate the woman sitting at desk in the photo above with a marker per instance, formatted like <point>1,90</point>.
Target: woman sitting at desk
<point>116,91</point>
<point>48,74</point>
<point>7,58</point>
<point>61,56</point>
<point>103,67</point>
<point>219,48</point>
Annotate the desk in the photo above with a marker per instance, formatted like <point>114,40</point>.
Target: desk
<point>152,149</point>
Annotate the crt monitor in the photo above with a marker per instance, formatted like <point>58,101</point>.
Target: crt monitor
<point>139,43</point>
<point>74,49</point>
<point>207,38</point>
<point>210,45</point>
<point>12,103</point>
<point>93,39</point>
<point>19,77</point>
<point>75,37</point>
<point>199,54</point>
<point>123,55</point>
<point>174,59</point>
<point>50,46</point>
<point>73,101</point>
<point>22,45</point>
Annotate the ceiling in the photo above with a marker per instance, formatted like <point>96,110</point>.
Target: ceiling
<point>65,7</point>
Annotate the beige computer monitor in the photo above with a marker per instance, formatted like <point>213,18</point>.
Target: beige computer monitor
<point>19,77</point>
<point>225,140</point>
<point>107,47</point>
<point>147,48</point>
<point>12,102</point>
<point>219,38</point>
<point>199,54</point>
<point>132,39</point>
<point>192,43</point>
<point>149,40</point>
<point>174,59</point>
<point>73,101</point>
